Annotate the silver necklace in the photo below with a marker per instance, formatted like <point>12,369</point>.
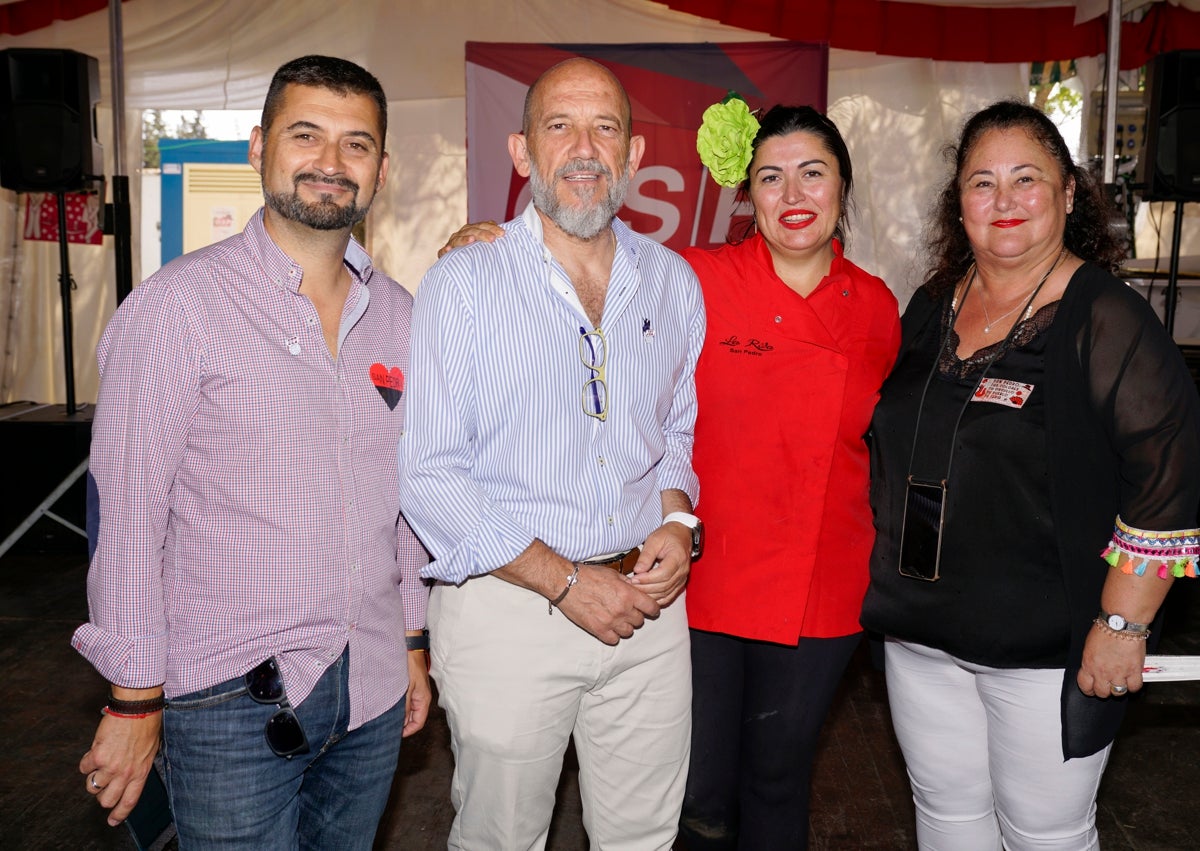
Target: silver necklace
<point>987,328</point>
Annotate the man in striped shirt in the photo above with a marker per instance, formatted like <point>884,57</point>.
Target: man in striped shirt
<point>252,566</point>
<point>549,438</point>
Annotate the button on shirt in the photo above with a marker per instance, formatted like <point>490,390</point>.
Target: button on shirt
<point>248,492</point>
<point>499,450</point>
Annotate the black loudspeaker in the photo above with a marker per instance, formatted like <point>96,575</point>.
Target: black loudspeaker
<point>1172,155</point>
<point>48,120</point>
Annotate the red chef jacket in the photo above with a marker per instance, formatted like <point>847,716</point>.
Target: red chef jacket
<point>786,387</point>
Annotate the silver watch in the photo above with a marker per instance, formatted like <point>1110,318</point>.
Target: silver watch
<point>1117,623</point>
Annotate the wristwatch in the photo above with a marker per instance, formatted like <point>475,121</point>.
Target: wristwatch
<point>1118,624</point>
<point>417,642</point>
<point>692,522</point>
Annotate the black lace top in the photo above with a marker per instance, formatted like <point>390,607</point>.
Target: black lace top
<point>950,364</point>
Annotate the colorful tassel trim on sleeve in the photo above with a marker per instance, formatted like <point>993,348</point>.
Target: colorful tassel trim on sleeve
<point>1133,551</point>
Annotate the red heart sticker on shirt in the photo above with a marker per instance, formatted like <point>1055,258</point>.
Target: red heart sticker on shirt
<point>389,383</point>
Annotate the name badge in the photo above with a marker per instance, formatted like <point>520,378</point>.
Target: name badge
<point>1001,391</point>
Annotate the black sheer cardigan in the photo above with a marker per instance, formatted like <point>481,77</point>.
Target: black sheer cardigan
<point>1123,438</point>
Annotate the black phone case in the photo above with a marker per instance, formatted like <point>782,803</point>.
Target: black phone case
<point>151,823</point>
<point>921,532</point>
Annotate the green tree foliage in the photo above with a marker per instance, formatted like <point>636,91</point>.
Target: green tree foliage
<point>1061,99</point>
<point>154,127</point>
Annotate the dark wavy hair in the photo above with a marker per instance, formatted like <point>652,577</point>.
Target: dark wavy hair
<point>340,76</point>
<point>783,120</point>
<point>1088,234</point>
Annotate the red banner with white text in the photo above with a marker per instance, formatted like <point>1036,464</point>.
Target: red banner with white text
<point>671,198</point>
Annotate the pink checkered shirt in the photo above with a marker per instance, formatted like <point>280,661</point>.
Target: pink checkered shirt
<point>248,482</point>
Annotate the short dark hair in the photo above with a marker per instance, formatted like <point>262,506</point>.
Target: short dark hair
<point>783,120</point>
<point>340,76</point>
<point>1088,233</point>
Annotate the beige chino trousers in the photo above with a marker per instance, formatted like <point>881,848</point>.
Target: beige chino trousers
<point>517,683</point>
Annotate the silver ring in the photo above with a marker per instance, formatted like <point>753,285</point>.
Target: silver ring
<point>92,780</point>
<point>1118,690</point>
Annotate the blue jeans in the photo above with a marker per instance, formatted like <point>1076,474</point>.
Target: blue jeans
<point>229,791</point>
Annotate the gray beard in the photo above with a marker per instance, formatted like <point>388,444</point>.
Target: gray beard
<point>318,215</point>
<point>587,221</point>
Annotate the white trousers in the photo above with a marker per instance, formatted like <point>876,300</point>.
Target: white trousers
<point>983,748</point>
<point>517,683</point>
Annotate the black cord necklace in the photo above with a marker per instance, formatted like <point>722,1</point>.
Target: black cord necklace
<point>955,303</point>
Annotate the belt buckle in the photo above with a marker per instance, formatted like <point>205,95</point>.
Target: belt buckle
<point>622,563</point>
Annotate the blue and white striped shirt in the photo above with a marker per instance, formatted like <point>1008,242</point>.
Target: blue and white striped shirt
<point>497,450</point>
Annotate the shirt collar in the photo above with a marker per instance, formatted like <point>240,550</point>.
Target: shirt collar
<point>625,238</point>
<point>838,268</point>
<point>624,266</point>
<point>284,271</point>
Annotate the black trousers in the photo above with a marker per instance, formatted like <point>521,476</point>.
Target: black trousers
<point>757,710</point>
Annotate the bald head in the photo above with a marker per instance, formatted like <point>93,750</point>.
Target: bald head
<point>573,72</point>
<point>577,148</point>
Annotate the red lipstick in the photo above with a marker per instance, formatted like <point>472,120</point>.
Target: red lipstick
<point>801,219</point>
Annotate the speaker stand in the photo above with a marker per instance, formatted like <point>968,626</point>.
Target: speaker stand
<point>1172,292</point>
<point>43,510</point>
<point>64,286</point>
<point>122,236</point>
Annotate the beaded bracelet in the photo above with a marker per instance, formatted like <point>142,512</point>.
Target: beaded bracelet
<point>1175,552</point>
<point>571,580</point>
<point>1128,636</point>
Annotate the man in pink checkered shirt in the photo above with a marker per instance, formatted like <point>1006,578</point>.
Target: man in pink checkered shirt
<point>252,566</point>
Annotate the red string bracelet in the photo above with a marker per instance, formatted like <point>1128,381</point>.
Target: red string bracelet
<point>109,711</point>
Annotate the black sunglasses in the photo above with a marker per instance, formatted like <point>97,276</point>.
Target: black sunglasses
<point>284,734</point>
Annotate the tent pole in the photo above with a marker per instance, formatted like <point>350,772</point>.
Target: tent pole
<point>1112,67</point>
<point>65,284</point>
<point>122,219</point>
<point>116,54</point>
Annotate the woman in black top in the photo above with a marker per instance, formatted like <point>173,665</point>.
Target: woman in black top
<point>1038,417</point>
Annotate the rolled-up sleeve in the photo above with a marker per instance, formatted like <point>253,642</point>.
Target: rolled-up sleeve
<point>412,558</point>
<point>466,532</point>
<point>150,360</point>
<point>675,470</point>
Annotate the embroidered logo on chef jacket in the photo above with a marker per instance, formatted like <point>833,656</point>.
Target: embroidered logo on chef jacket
<point>389,383</point>
<point>1001,391</point>
<point>753,346</point>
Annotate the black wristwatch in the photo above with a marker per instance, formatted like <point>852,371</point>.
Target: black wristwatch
<point>695,524</point>
<point>1117,623</point>
<point>417,642</point>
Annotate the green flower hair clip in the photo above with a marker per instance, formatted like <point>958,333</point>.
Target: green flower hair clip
<point>725,139</point>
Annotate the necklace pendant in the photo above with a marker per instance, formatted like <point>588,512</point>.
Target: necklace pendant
<point>987,329</point>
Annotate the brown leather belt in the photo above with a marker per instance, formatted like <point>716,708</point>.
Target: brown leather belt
<point>622,563</point>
